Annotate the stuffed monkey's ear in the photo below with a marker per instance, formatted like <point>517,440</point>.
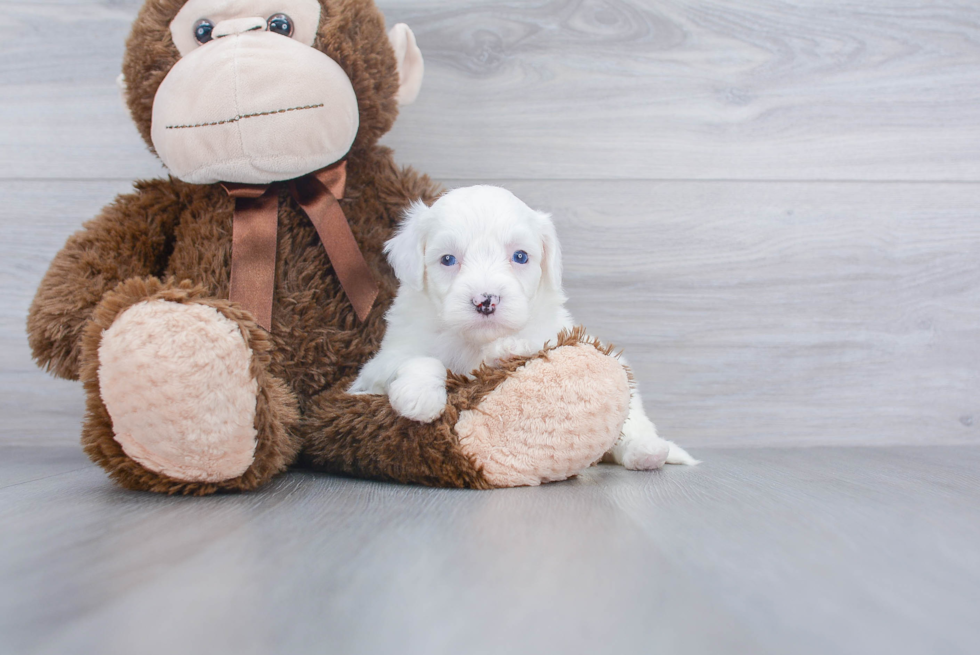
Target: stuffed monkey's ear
<point>410,64</point>
<point>406,250</point>
<point>552,250</point>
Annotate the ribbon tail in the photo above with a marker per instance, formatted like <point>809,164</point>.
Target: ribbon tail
<point>327,216</point>
<point>253,254</point>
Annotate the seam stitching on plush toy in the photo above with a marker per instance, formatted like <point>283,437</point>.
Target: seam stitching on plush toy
<point>239,118</point>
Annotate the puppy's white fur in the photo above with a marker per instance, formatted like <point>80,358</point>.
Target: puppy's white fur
<point>460,256</point>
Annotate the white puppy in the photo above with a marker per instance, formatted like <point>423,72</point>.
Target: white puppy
<point>480,276</point>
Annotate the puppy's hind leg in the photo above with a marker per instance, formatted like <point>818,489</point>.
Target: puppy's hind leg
<point>640,448</point>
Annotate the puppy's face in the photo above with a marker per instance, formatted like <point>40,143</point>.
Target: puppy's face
<point>481,256</point>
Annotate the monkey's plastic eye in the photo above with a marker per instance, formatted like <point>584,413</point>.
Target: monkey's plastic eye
<point>202,30</point>
<point>281,24</point>
<point>520,257</point>
<point>448,260</point>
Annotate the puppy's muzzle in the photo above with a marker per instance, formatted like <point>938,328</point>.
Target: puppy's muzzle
<point>486,304</point>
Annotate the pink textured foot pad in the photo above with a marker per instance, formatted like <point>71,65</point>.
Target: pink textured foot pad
<point>550,420</point>
<point>175,380</point>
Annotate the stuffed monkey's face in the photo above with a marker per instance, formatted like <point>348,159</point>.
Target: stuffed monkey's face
<point>250,100</point>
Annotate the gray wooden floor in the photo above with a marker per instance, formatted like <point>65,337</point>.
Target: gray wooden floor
<point>818,550</point>
<point>773,207</point>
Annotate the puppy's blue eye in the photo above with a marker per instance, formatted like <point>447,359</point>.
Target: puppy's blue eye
<point>448,260</point>
<point>520,257</point>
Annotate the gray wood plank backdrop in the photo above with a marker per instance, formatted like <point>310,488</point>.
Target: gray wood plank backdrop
<point>774,207</point>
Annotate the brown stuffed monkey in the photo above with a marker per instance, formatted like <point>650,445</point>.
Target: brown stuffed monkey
<point>216,318</point>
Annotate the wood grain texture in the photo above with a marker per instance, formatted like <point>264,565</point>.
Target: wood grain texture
<point>756,551</point>
<point>579,89</point>
<point>713,89</point>
<point>61,114</point>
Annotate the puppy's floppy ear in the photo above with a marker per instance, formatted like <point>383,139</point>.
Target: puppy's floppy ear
<point>551,266</point>
<point>406,250</point>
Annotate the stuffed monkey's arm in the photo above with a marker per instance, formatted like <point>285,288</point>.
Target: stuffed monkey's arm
<point>132,237</point>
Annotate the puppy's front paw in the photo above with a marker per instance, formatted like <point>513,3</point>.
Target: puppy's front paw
<point>503,349</point>
<point>418,391</point>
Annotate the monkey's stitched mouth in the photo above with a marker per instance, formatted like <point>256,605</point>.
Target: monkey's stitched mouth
<point>241,118</point>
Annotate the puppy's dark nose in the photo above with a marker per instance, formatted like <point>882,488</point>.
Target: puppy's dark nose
<point>486,304</point>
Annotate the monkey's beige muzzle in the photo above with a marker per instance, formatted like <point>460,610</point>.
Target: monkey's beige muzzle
<point>253,107</point>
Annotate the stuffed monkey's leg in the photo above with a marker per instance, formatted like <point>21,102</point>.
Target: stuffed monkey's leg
<point>535,419</point>
<point>179,396</point>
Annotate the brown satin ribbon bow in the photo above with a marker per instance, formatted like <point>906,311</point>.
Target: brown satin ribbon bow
<point>253,248</point>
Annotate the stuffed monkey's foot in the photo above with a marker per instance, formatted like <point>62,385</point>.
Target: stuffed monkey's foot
<point>551,418</point>
<point>179,397</point>
<point>175,380</point>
